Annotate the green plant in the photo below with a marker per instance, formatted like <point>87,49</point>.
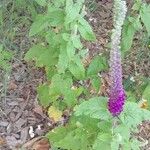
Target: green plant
<point>93,128</point>
<point>135,22</point>
<point>5,68</point>
<point>60,52</point>
<point>5,58</point>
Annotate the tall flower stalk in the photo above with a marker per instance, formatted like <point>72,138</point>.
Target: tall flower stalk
<point>117,93</point>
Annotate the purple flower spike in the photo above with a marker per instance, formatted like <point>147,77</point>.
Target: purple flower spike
<point>116,102</point>
<point>117,93</point>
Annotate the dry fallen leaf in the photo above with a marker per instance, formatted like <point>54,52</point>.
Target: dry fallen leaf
<point>42,144</point>
<point>54,113</point>
<point>143,104</point>
<point>12,85</point>
<point>2,141</point>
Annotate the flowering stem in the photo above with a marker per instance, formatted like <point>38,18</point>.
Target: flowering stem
<point>117,94</point>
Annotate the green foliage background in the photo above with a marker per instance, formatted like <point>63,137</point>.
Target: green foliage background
<point>61,29</point>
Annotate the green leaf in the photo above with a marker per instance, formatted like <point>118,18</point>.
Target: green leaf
<point>123,131</point>
<point>57,134</point>
<point>41,2</point>
<point>62,87</point>
<point>95,108</point>
<point>135,144</point>
<point>98,64</point>
<point>75,140</point>
<point>34,52</point>
<point>62,62</point>
<point>42,56</point>
<point>86,30</point>
<point>43,94</point>
<point>56,17</point>
<point>105,126</point>
<point>40,23</point>
<point>70,50</point>
<point>76,68</point>
<point>66,36</point>
<point>69,137</point>
<point>115,144</point>
<point>102,142</point>
<point>145,13</point>
<point>130,27</point>
<point>77,135</point>
<point>50,72</point>
<point>69,5</point>
<point>55,87</point>
<point>71,14</point>
<point>5,58</point>
<point>133,115</point>
<point>76,41</point>
<point>96,82</point>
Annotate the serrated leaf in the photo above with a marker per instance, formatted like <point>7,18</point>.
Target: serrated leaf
<point>133,115</point>
<point>76,135</point>
<point>145,13</point>
<point>69,5</point>
<point>42,56</point>
<point>86,30</point>
<point>75,140</point>
<point>56,17</point>
<point>40,23</point>
<point>114,144</point>
<point>62,87</point>
<point>71,14</point>
<point>43,94</point>
<point>69,137</point>
<point>98,64</point>
<point>76,68</point>
<point>34,52</point>
<point>5,58</point>
<point>54,113</point>
<point>135,144</point>
<point>96,82</point>
<point>102,141</point>
<point>105,126</point>
<point>50,71</point>
<point>57,134</point>
<point>62,62</point>
<point>94,108</point>
<point>66,36</point>
<point>41,2</point>
<point>55,87</point>
<point>76,41</point>
<point>131,25</point>
<point>70,50</point>
<point>123,131</point>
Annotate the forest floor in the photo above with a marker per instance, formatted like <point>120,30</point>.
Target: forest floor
<point>20,112</point>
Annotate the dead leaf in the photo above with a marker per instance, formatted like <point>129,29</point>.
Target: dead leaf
<point>143,104</point>
<point>54,113</point>
<point>30,143</point>
<point>12,86</point>
<point>42,144</point>
<point>2,141</point>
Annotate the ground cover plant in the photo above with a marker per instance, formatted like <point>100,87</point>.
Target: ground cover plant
<point>84,115</point>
